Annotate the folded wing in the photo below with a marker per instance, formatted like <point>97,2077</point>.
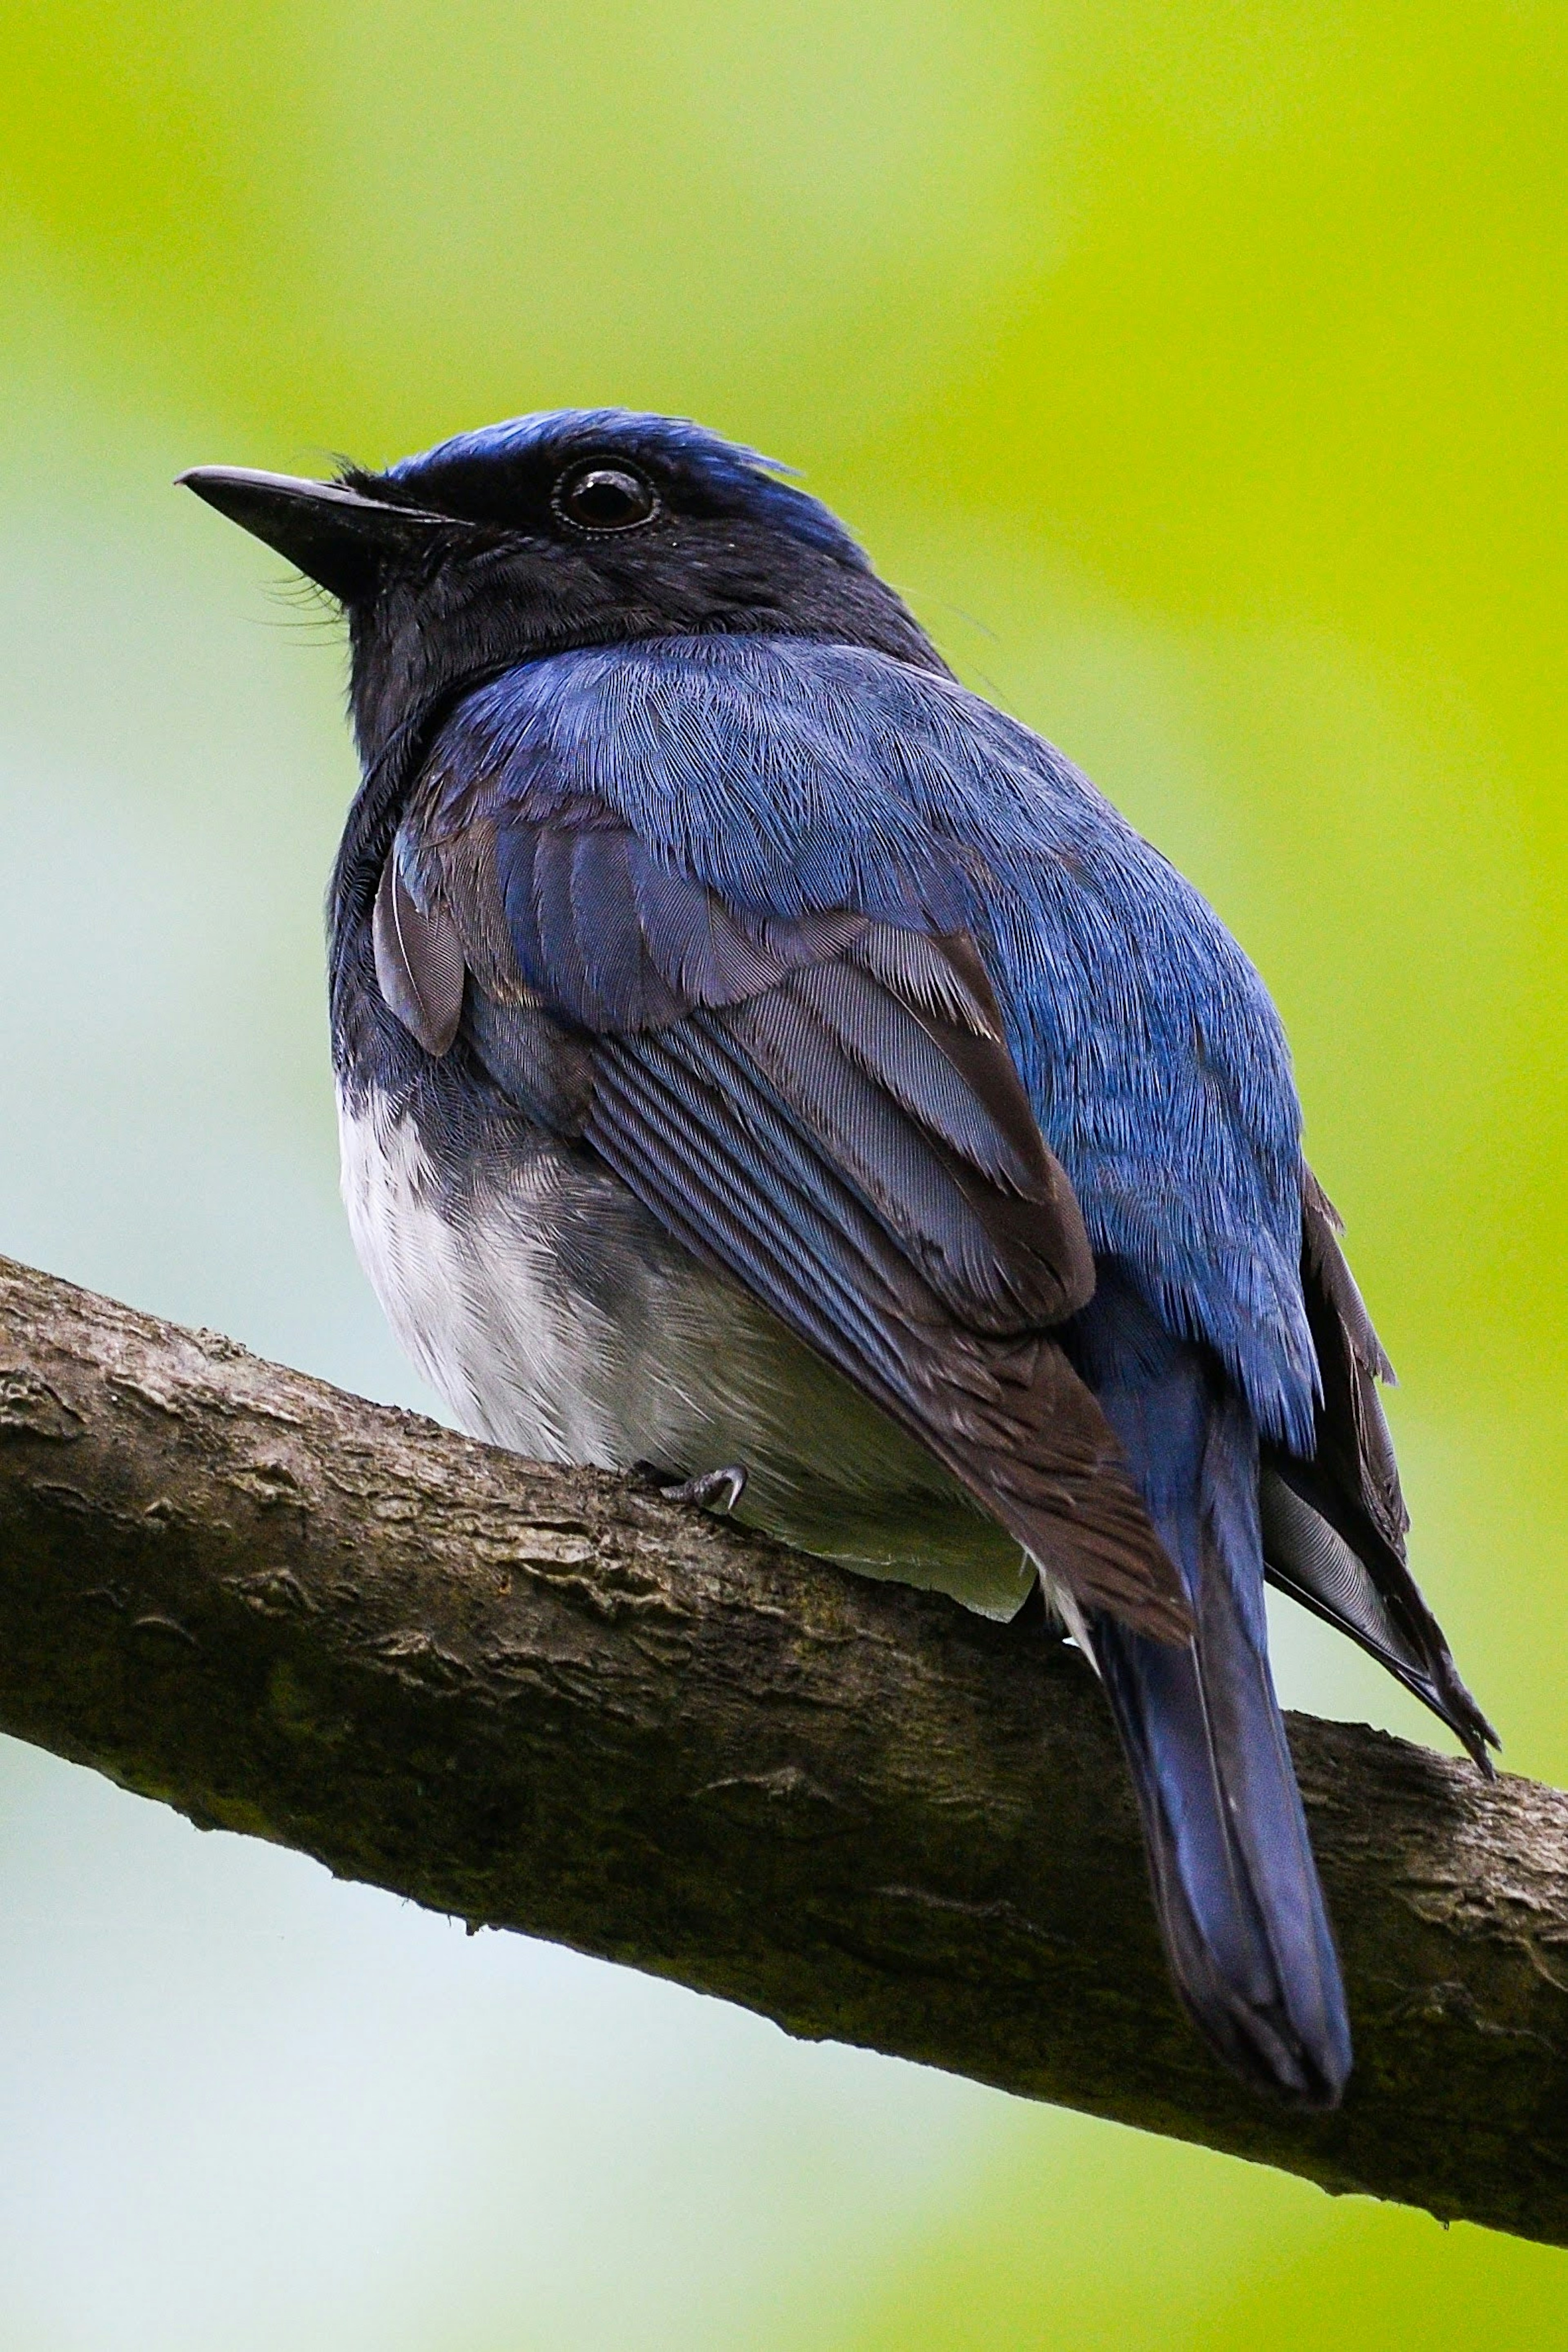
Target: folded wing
<point>821,1103</point>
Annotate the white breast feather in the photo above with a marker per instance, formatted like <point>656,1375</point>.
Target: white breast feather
<point>477,1305</point>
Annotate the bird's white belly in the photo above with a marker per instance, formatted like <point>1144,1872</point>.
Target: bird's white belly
<point>556,1318</point>
<point>476,1298</point>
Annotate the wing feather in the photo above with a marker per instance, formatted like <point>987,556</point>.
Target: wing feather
<point>683,1123</point>
<point>825,1105</point>
<point>1334,1523</point>
<point>419,962</point>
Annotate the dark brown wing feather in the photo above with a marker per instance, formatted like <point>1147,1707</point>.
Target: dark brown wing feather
<point>419,962</point>
<point>1335,1527</point>
<point>826,1106</point>
<point>680,1116</point>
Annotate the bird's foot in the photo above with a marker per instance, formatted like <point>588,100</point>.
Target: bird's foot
<point>714,1490</point>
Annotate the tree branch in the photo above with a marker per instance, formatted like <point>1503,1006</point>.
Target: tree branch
<point>545,1699</point>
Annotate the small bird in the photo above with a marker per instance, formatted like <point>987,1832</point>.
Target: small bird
<point>762,1060</point>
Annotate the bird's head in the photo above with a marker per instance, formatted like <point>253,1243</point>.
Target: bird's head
<point>575,527</point>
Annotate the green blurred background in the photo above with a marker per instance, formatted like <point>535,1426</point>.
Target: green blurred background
<point>1198,370</point>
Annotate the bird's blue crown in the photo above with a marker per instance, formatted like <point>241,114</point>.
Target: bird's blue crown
<point>727,473</point>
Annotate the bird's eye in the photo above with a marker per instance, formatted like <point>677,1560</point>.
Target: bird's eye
<point>598,496</point>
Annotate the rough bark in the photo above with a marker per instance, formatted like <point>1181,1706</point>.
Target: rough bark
<point>545,1699</point>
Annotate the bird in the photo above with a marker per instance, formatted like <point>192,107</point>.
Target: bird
<point>765,1063</point>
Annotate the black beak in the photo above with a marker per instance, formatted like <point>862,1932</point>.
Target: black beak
<point>336,537</point>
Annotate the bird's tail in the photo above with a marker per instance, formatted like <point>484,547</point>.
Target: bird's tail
<point>1235,1885</point>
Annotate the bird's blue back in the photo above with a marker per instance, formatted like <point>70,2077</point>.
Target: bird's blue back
<point>791,776</point>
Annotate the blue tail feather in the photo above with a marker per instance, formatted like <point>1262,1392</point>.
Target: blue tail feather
<point>1234,1881</point>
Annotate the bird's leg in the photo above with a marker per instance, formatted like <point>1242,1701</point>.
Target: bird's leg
<point>714,1490</point>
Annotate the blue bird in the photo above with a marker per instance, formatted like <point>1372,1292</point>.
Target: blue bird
<point>760,1059</point>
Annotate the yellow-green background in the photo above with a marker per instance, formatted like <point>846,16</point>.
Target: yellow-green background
<point>1198,368</point>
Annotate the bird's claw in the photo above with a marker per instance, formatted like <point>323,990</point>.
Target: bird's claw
<point>714,1490</point>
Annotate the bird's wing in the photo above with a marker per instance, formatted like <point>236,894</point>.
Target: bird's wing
<point>1334,1523</point>
<point>821,1103</point>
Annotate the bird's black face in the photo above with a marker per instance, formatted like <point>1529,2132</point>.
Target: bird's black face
<point>572,529</point>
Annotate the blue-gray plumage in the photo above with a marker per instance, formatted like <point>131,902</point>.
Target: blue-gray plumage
<point>755,1050</point>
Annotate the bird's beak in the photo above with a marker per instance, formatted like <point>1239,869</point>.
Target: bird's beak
<point>335,535</point>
